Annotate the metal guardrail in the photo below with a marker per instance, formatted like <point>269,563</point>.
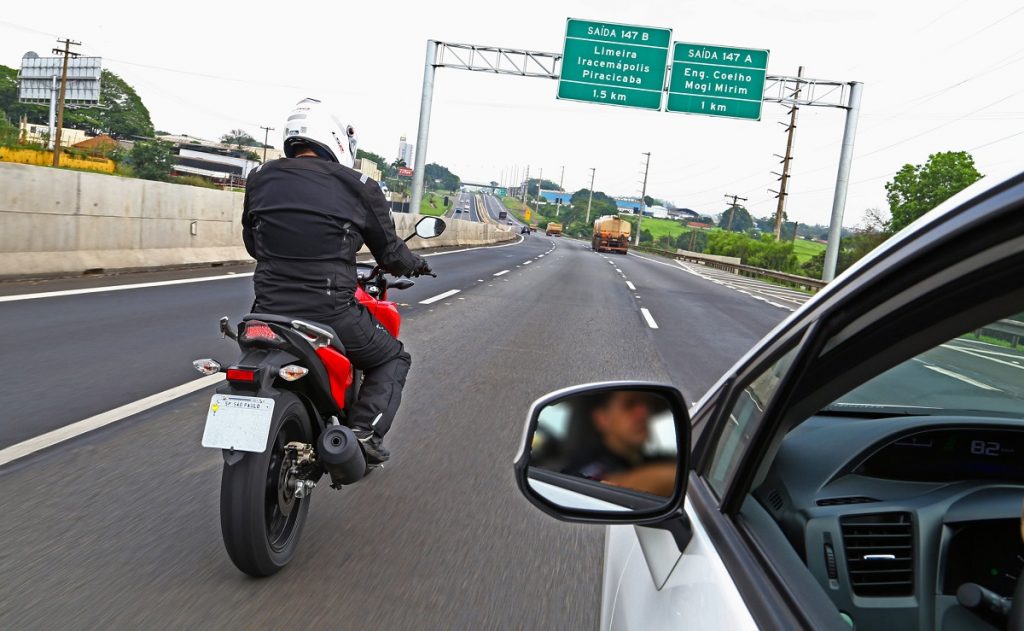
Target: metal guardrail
<point>1012,329</point>
<point>810,284</point>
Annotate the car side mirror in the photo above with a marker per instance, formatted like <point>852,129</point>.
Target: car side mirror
<point>430,227</point>
<point>607,453</point>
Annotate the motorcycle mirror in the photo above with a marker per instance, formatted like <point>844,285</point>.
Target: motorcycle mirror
<point>430,227</point>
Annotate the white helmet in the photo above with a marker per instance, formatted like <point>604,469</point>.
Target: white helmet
<point>310,123</point>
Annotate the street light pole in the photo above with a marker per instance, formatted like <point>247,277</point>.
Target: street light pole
<point>426,99</point>
<point>835,226</point>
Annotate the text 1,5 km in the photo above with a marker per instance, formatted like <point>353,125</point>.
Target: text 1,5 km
<point>609,95</point>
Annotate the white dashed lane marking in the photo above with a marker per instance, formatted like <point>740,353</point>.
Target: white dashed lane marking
<point>442,296</point>
<point>647,316</point>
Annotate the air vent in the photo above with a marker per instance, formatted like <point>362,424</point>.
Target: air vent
<point>775,499</point>
<point>879,553</point>
<point>840,501</point>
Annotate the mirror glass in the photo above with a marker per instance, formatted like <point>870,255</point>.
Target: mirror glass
<point>590,442</point>
<point>429,227</point>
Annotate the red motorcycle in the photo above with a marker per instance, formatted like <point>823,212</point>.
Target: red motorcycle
<point>279,420</point>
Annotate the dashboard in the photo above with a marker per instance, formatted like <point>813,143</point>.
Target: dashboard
<point>892,515</point>
<point>950,455</point>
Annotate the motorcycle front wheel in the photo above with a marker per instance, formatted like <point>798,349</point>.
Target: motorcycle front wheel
<point>260,517</point>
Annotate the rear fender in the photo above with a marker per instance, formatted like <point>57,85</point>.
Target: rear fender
<point>269,361</point>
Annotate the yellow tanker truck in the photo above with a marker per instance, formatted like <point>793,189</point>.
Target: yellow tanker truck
<point>611,234</point>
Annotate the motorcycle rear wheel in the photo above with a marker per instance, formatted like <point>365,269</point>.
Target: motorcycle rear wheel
<point>260,517</point>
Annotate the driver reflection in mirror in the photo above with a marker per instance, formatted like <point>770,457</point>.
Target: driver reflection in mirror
<point>624,438</point>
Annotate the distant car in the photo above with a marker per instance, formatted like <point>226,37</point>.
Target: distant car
<point>458,210</point>
<point>860,467</point>
<point>510,222</point>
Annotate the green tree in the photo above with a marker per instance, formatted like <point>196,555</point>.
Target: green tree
<point>763,252</point>
<point>151,160</point>
<point>240,138</point>
<point>736,219</point>
<point>546,185</point>
<point>448,180</point>
<point>381,163</point>
<point>120,113</point>
<point>916,189</point>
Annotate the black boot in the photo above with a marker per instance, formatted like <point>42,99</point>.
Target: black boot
<point>373,446</point>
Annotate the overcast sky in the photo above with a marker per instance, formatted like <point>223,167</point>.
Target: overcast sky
<point>942,75</point>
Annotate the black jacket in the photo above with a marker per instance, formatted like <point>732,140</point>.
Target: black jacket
<point>303,221</point>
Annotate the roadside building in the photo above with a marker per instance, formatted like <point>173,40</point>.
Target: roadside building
<point>368,168</point>
<point>405,152</point>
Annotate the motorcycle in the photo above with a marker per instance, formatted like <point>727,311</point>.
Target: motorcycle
<point>279,420</point>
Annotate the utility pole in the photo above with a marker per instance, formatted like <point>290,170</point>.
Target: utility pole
<point>266,136</point>
<point>526,187</point>
<point>536,200</point>
<point>66,51</point>
<point>643,194</point>
<point>732,209</point>
<point>784,177</point>
<point>591,198</point>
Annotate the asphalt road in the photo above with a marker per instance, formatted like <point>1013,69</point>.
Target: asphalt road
<point>466,202</point>
<point>119,528</point>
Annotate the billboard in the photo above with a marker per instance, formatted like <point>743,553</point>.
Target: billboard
<point>36,79</point>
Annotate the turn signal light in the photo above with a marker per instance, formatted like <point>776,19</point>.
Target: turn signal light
<point>291,372</point>
<point>206,366</point>
<point>241,374</point>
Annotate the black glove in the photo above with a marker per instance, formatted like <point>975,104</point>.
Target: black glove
<point>422,268</point>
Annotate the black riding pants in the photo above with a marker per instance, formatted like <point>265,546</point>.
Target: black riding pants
<point>384,363</point>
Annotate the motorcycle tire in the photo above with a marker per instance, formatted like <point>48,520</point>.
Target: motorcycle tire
<point>261,521</point>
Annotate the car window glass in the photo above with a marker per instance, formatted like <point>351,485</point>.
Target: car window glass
<point>742,420</point>
<point>979,371</point>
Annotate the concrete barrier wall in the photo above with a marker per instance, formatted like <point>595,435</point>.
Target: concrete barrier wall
<point>54,221</point>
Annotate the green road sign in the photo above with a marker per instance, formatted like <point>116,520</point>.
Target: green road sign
<point>717,80</point>
<point>616,64</point>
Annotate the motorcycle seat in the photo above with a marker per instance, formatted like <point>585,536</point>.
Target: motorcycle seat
<point>287,321</point>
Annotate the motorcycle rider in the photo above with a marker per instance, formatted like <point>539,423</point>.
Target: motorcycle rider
<point>304,218</point>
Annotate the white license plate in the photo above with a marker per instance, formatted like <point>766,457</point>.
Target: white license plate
<point>239,423</point>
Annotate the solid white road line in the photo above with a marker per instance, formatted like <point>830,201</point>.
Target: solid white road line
<point>96,290</point>
<point>631,286</point>
<point>185,281</point>
<point>442,296</point>
<point>502,272</point>
<point>963,378</point>
<point>73,430</point>
<point>647,316</point>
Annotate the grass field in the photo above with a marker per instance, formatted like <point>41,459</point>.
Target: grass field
<point>806,250</point>
<point>659,227</point>
<point>438,208</point>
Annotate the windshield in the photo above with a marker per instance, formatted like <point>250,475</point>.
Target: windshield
<point>979,371</point>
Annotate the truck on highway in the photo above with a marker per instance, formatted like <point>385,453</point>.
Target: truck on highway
<point>554,229</point>
<point>611,234</point>
<point>502,214</point>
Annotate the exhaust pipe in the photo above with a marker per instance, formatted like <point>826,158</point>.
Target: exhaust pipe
<point>339,453</point>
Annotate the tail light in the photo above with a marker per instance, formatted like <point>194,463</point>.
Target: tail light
<point>291,372</point>
<point>247,375</point>
<point>259,331</point>
<point>206,366</point>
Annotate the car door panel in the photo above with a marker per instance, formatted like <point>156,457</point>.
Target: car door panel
<point>699,593</point>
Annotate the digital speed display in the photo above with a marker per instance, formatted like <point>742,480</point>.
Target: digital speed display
<point>948,455</point>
